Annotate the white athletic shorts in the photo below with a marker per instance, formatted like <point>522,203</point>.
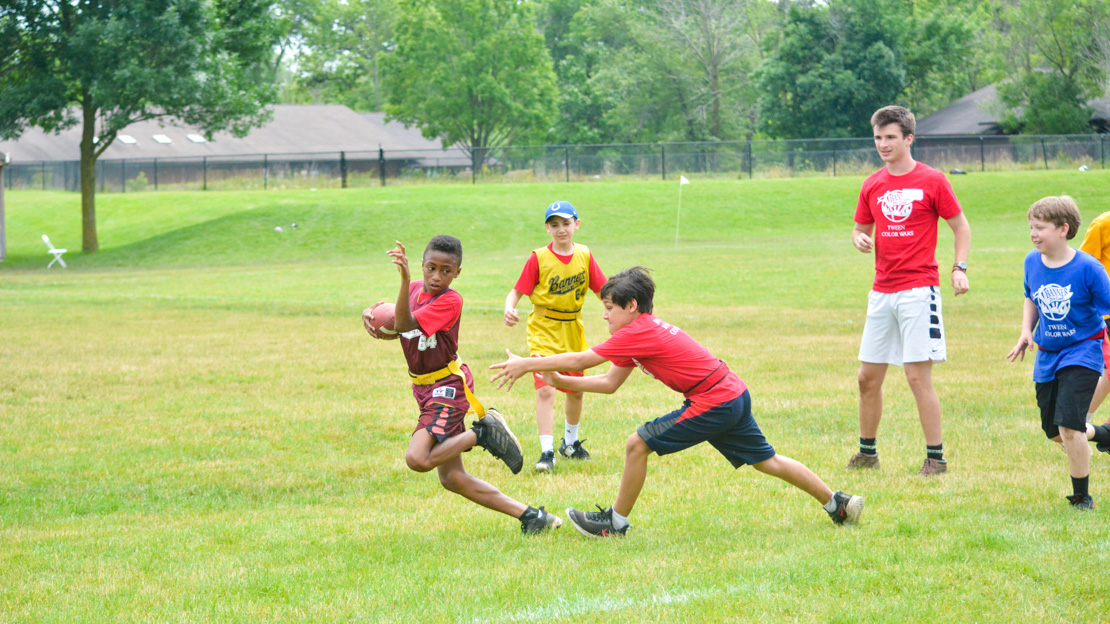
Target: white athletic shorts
<point>901,327</point>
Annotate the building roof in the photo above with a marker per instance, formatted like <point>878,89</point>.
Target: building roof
<point>293,129</point>
<point>971,114</point>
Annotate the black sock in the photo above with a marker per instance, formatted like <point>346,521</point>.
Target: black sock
<point>1079,485</point>
<point>867,446</point>
<point>935,452</point>
<point>1102,434</point>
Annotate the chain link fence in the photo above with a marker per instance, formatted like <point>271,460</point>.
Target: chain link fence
<point>559,163</point>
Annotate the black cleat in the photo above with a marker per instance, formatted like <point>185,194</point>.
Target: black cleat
<point>546,462</point>
<point>495,436</point>
<point>1100,447</point>
<point>848,508</point>
<point>595,523</point>
<point>1083,502</point>
<point>573,451</point>
<point>534,521</point>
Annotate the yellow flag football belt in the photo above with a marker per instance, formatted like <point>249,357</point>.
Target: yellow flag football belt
<point>452,368</point>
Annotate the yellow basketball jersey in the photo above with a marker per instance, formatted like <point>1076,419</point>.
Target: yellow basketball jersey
<point>558,297</point>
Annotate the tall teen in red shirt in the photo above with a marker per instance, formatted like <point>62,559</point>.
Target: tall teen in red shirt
<point>717,406</point>
<point>896,216</point>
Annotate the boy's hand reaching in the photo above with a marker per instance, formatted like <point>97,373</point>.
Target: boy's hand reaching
<point>1023,343</point>
<point>400,260</point>
<point>511,370</point>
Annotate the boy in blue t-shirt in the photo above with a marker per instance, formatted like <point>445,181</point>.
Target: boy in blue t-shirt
<point>1066,293</point>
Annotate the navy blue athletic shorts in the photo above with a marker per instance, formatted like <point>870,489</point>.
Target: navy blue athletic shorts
<point>729,427</point>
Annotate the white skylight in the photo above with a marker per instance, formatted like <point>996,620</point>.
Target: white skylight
<point>196,138</point>
<point>127,138</point>
<point>161,138</point>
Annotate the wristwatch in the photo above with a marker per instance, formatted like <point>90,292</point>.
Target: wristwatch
<point>960,266</point>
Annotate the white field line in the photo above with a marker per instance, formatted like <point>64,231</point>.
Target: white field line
<point>561,607</point>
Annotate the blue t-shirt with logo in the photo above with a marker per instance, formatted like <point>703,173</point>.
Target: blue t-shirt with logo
<point>1071,301</point>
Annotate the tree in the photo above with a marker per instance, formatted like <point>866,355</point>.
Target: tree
<point>1058,52</point>
<point>112,63</point>
<point>831,71</point>
<point>344,42</point>
<point>473,72</point>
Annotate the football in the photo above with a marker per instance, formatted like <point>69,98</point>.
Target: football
<point>383,320</point>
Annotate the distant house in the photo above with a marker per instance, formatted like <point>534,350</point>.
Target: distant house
<point>298,137</point>
<point>978,113</point>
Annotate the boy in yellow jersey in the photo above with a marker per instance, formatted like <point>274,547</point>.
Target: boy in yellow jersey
<point>556,279</point>
<point>1097,243</point>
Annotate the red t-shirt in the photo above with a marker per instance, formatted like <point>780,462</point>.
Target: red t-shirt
<point>436,342</point>
<point>530,275</point>
<point>670,355</point>
<point>905,210</point>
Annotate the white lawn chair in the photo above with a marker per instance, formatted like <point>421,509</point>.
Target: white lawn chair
<point>54,250</point>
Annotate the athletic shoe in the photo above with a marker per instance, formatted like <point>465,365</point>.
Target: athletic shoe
<point>534,521</point>
<point>595,523</point>
<point>495,436</point>
<point>933,467</point>
<point>859,460</point>
<point>848,508</point>
<point>1102,448</point>
<point>546,463</point>
<point>573,451</point>
<point>1082,501</point>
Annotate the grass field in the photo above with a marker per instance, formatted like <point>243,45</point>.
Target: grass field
<point>195,428</point>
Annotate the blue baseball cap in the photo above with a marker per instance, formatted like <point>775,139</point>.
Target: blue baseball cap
<point>560,209</point>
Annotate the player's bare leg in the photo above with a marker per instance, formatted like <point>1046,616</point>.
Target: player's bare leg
<point>870,379</point>
<point>636,453</point>
<point>424,453</point>
<point>920,377</point>
<point>797,474</point>
<point>456,479</point>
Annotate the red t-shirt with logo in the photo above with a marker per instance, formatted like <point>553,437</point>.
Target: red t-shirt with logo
<point>905,210</point>
<point>670,355</point>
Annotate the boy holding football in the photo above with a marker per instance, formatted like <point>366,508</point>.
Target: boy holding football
<point>1066,293</point>
<point>717,406</point>
<point>556,278</point>
<point>426,318</point>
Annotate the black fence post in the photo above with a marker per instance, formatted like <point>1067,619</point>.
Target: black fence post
<point>663,159</point>
<point>156,174</point>
<point>204,172</point>
<point>265,171</point>
<point>44,175</point>
<point>123,175</point>
<point>982,154</point>
<point>834,159</point>
<point>343,167</point>
<point>750,164</point>
<point>566,161</point>
<point>1044,153</point>
<point>381,164</point>
<point>1102,150</point>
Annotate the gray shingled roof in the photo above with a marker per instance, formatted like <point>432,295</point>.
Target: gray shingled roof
<point>293,129</point>
<point>967,115</point>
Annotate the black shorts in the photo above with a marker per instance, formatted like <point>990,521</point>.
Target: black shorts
<point>1065,399</point>
<point>729,427</point>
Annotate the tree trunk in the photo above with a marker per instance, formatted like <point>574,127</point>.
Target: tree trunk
<point>88,178</point>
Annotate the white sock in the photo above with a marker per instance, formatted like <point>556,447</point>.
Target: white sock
<point>570,433</point>
<point>619,521</point>
<point>547,443</point>
<point>831,505</point>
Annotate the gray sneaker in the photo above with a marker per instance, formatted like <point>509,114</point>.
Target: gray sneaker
<point>595,523</point>
<point>546,462</point>
<point>495,436</point>
<point>848,508</point>
<point>933,467</point>
<point>1082,502</point>
<point>534,521</point>
<point>859,460</point>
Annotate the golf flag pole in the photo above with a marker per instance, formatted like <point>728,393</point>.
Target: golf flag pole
<point>682,181</point>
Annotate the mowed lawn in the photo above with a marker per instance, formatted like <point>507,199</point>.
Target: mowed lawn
<point>194,426</point>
